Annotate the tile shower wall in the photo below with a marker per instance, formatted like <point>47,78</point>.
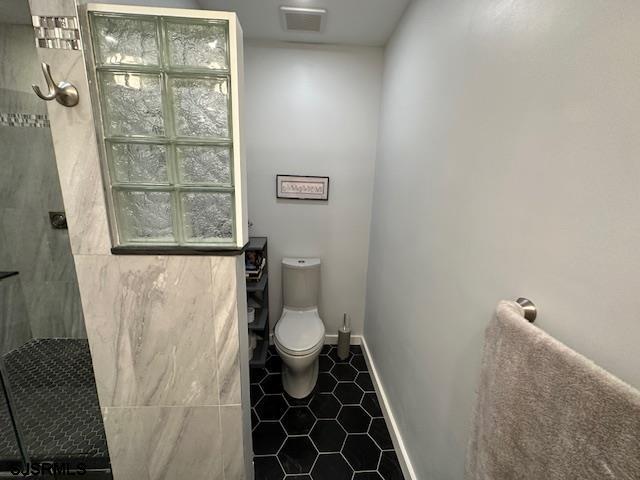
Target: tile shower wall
<point>163,330</point>
<point>29,189</point>
<point>14,327</point>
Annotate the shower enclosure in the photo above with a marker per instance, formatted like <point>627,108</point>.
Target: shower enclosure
<point>150,165</point>
<point>50,418</point>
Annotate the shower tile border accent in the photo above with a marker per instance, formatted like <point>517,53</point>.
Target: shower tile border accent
<point>57,32</point>
<point>24,120</point>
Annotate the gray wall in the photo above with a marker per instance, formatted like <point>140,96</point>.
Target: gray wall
<point>14,320</point>
<point>29,189</point>
<point>508,165</point>
<point>313,110</point>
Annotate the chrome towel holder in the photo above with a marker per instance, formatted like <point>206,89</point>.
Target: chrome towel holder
<point>530,309</point>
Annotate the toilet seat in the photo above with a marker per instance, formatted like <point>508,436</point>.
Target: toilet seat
<point>299,332</point>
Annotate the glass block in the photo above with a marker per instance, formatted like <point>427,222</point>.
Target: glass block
<point>132,103</point>
<point>201,107</point>
<point>145,215</point>
<point>207,216</point>
<point>139,162</point>
<point>202,45</point>
<point>125,41</point>
<point>209,164</point>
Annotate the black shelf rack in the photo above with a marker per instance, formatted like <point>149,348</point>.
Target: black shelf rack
<point>259,291</point>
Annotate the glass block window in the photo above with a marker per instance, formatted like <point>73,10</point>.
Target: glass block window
<point>164,88</point>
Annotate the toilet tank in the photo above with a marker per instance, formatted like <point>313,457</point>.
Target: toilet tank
<point>300,282</point>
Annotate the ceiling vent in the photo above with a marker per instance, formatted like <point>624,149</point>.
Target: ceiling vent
<point>297,19</point>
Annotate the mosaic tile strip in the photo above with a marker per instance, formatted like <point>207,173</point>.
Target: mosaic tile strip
<point>57,32</point>
<point>24,120</point>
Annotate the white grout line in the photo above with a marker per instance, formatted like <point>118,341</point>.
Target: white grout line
<point>379,461</point>
<point>224,473</point>
<point>396,437</point>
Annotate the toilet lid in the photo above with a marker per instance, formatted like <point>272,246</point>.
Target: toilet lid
<point>299,331</point>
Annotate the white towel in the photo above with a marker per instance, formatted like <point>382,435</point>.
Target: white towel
<point>545,412</point>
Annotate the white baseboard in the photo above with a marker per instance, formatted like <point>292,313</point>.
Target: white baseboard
<point>331,339</point>
<point>396,437</point>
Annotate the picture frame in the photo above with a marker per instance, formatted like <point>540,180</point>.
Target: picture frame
<point>302,187</point>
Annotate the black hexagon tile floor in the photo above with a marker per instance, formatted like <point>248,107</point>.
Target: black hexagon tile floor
<point>336,433</point>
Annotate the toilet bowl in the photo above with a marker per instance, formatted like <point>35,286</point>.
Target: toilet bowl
<point>299,334</point>
<point>299,337</point>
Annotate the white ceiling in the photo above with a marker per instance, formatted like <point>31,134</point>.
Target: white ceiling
<point>354,22</point>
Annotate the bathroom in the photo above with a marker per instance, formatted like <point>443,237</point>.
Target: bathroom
<point>466,154</point>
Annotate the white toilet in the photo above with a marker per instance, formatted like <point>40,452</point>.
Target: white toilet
<point>299,334</point>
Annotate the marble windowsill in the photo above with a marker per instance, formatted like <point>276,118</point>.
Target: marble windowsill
<point>177,250</point>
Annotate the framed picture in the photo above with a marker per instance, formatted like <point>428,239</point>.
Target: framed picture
<point>302,187</point>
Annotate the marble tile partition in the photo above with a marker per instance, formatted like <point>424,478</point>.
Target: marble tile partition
<point>245,397</point>
<point>164,340</point>
<point>225,301</point>
<point>29,189</point>
<point>152,328</point>
<point>232,446</point>
<point>169,357</point>
<point>165,443</point>
<point>76,151</point>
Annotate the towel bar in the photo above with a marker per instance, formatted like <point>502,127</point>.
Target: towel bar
<point>530,310</point>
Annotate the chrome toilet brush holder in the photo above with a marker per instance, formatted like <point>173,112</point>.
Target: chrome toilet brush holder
<point>344,338</point>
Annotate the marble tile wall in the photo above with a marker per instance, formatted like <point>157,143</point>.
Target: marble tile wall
<point>225,301</point>
<point>163,330</point>
<point>245,397</point>
<point>152,329</point>
<point>14,328</point>
<point>77,160</point>
<point>153,443</point>
<point>29,189</point>
<point>233,461</point>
